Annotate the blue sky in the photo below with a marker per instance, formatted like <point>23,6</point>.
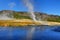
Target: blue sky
<point>46,6</point>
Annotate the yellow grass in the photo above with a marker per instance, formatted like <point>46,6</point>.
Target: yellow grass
<point>23,22</point>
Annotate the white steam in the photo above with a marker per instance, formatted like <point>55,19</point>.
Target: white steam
<point>30,9</point>
<point>4,16</point>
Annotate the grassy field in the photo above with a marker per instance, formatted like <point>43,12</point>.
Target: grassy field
<point>25,22</point>
<point>21,22</point>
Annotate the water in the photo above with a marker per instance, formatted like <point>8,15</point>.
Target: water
<point>20,33</point>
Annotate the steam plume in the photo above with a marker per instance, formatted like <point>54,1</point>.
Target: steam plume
<point>30,9</point>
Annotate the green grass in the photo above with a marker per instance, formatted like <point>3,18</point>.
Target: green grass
<point>54,19</point>
<point>18,16</point>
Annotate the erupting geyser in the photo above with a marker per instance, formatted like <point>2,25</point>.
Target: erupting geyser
<point>30,9</point>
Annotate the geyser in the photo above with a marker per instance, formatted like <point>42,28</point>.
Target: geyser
<point>30,9</point>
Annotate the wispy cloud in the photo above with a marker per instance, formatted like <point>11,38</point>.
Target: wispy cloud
<point>12,4</point>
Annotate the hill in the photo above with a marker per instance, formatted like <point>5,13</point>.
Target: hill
<point>26,15</point>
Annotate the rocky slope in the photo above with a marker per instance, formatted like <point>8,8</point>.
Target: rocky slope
<point>9,14</point>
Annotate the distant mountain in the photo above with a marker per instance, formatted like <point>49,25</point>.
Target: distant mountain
<point>26,15</point>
